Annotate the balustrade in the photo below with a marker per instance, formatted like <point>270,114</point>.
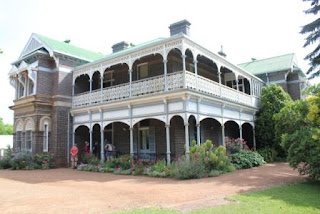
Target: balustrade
<point>155,85</point>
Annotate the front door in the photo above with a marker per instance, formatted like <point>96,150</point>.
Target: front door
<point>146,143</point>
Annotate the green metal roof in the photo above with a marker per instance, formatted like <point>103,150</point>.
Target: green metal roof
<point>71,50</point>
<point>133,48</point>
<point>269,65</point>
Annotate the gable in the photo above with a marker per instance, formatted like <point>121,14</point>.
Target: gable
<point>34,44</point>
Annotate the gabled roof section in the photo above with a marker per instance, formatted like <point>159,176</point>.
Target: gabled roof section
<point>273,64</point>
<point>38,41</point>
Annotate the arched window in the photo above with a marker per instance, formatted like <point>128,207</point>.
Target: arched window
<point>45,127</point>
<point>29,127</point>
<point>19,129</point>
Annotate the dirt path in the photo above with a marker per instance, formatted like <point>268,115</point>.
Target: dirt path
<point>70,191</point>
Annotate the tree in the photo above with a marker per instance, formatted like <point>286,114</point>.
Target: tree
<point>5,129</point>
<point>273,99</point>
<point>298,126</point>
<point>313,31</point>
<point>1,51</point>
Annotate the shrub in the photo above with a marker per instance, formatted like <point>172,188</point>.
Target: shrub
<point>214,158</point>
<point>235,145</point>
<point>215,173</point>
<point>246,159</point>
<point>304,151</point>
<point>23,160</point>
<point>269,154</point>
<point>91,159</point>
<point>44,160</point>
<point>5,162</point>
<point>188,169</point>
<point>159,166</point>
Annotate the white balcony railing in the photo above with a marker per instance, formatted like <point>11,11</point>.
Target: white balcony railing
<point>156,84</point>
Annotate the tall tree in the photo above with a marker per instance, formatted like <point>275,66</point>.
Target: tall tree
<point>273,99</point>
<point>313,31</point>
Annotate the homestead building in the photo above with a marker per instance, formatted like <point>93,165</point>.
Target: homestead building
<point>149,100</point>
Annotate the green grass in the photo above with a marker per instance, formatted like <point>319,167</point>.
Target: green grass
<point>299,198</point>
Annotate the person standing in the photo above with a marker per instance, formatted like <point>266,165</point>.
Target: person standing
<point>86,149</point>
<point>108,149</point>
<point>74,156</point>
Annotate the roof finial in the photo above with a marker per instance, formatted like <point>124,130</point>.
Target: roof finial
<point>221,53</point>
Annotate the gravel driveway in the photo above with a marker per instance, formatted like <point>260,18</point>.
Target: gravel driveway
<point>70,191</point>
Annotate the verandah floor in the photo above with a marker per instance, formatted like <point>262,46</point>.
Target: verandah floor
<point>71,191</point>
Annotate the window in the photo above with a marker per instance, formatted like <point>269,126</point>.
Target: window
<point>21,90</point>
<point>144,138</point>
<point>143,71</point>
<point>31,86</point>
<point>18,139</point>
<point>45,138</point>
<point>28,140</point>
<point>108,79</point>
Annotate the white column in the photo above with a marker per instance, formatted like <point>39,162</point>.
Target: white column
<point>184,70</point>
<point>195,62</point>
<point>73,138</point>
<point>220,82</point>
<point>168,144</point>
<point>183,62</point>
<point>165,74</point>
<point>90,141</point>
<point>198,134</point>
<point>131,142</point>
<point>219,74</point>
<point>254,139</point>
<point>90,88</point>
<point>237,81</point>
<point>186,130</point>
<point>102,144</point>
<point>240,132</point>
<point>101,86</point>
<point>222,135</point>
<point>130,82</point>
<point>72,89</point>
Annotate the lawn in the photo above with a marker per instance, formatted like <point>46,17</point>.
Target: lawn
<point>293,199</point>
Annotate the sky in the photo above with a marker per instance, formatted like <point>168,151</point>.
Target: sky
<point>246,29</point>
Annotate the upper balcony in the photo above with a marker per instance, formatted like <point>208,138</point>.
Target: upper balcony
<point>136,74</point>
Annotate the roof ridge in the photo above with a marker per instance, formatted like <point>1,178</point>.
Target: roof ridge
<point>258,60</point>
<point>64,43</point>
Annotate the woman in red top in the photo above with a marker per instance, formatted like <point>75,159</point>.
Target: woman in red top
<point>74,156</point>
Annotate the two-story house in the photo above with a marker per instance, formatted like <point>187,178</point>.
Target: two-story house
<point>149,100</point>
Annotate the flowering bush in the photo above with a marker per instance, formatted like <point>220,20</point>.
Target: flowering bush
<point>235,145</point>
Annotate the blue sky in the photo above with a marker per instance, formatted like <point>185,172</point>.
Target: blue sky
<point>246,29</point>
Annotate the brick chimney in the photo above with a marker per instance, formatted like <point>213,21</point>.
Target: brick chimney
<point>119,46</point>
<point>180,27</point>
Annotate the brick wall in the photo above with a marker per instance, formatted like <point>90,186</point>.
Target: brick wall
<point>177,136</point>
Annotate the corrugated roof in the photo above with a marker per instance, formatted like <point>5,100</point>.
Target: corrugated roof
<point>68,49</point>
<point>269,65</point>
